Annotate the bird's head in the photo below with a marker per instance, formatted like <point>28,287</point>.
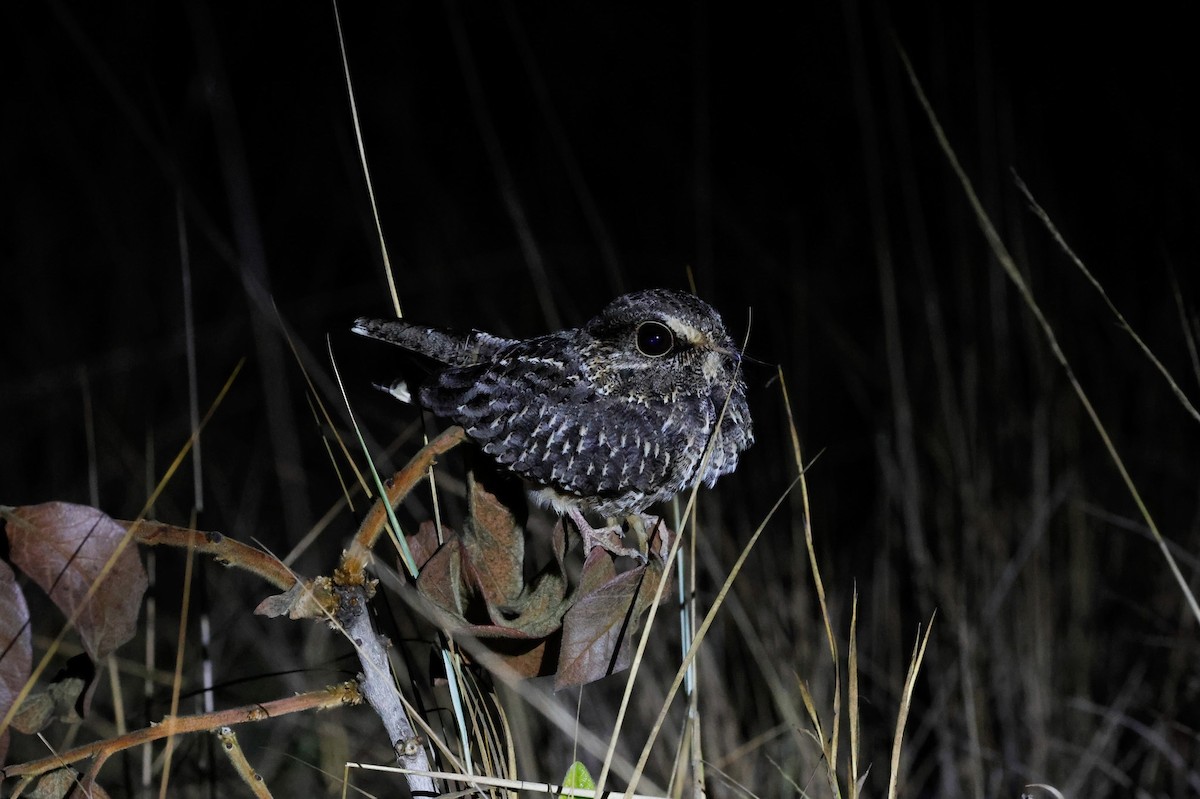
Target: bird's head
<point>664,341</point>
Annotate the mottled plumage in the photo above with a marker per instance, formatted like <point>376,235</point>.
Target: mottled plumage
<point>609,418</point>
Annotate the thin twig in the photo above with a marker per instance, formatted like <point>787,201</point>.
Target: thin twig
<point>334,696</point>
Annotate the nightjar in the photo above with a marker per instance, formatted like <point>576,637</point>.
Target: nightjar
<point>609,418</point>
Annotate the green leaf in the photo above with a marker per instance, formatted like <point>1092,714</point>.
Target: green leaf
<point>578,777</point>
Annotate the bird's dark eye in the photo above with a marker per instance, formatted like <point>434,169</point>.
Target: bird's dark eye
<point>654,339</point>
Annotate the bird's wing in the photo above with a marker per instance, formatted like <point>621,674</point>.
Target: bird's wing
<point>535,412</point>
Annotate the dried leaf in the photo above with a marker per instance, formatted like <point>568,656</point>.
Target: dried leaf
<point>440,580</point>
<point>477,579</point>
<point>598,570</point>
<point>55,784</point>
<point>16,646</point>
<point>425,544</point>
<point>558,540</point>
<point>495,548</point>
<point>536,661</point>
<point>307,599</point>
<point>598,629</point>
<point>64,548</point>
<point>525,656</point>
<point>66,693</point>
<point>539,610</point>
<point>59,702</point>
<point>35,715</point>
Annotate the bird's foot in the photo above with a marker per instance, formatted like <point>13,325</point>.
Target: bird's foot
<point>609,538</point>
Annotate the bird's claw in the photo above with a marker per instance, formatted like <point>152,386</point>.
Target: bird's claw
<point>608,538</point>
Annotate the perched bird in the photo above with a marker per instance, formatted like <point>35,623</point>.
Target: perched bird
<point>609,418</point>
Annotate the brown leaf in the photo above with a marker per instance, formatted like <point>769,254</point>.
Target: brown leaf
<point>35,715</point>
<point>440,580</point>
<point>65,549</point>
<point>56,703</point>
<point>598,570</point>
<point>307,599</point>
<point>558,539</point>
<point>538,611</point>
<point>55,784</point>
<point>425,543</point>
<point>477,581</point>
<point>494,547</point>
<point>598,629</point>
<point>66,693</point>
<point>527,658</point>
<point>16,646</point>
